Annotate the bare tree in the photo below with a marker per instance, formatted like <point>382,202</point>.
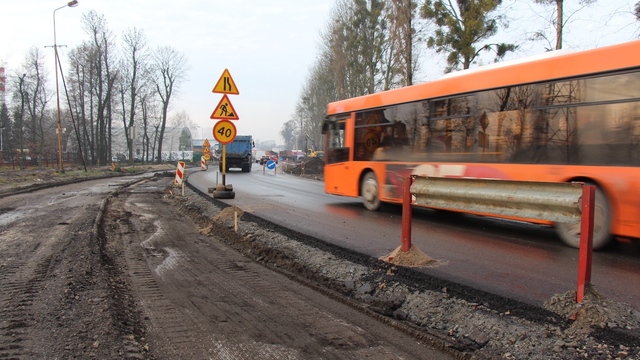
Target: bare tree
<point>99,65</point>
<point>357,38</point>
<point>34,87</point>
<point>170,71</point>
<point>402,35</point>
<point>319,90</point>
<point>289,133</point>
<point>6,140</point>
<point>20,101</point>
<point>148,116</point>
<point>135,71</point>
<point>80,81</point>
<point>560,21</point>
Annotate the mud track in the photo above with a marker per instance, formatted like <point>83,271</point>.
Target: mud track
<point>197,297</point>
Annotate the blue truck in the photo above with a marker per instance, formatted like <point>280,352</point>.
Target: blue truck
<point>238,153</point>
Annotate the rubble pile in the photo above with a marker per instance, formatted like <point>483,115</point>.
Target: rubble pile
<point>308,166</point>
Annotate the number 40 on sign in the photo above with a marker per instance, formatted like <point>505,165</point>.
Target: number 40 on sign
<point>224,131</point>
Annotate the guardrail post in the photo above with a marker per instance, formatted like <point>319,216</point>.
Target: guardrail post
<point>586,239</point>
<point>406,214</point>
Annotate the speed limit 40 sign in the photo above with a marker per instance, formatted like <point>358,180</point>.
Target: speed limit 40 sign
<point>224,131</point>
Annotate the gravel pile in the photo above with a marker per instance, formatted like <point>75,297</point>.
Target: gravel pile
<point>309,167</point>
<point>471,323</point>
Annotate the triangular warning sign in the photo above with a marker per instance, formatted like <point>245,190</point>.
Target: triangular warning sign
<point>225,84</point>
<point>225,110</point>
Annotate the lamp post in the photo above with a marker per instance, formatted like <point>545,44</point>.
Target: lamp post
<point>72,3</point>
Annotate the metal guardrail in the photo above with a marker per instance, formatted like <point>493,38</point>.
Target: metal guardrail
<point>557,202</point>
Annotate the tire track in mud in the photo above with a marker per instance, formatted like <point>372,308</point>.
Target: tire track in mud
<point>200,298</point>
<point>150,297</point>
<point>19,284</point>
<point>146,265</point>
<point>34,278</point>
<point>54,300</point>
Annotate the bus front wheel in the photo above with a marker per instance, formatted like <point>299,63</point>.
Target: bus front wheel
<point>370,192</point>
<point>570,233</point>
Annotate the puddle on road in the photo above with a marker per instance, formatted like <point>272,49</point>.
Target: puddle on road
<point>170,262</point>
<point>7,217</point>
<point>172,256</point>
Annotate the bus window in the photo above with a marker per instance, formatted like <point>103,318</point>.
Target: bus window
<point>336,151</point>
<point>407,120</point>
<point>371,132</point>
<point>609,134</point>
<point>392,132</point>
<point>452,129</point>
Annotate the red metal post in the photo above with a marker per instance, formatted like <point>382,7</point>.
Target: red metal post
<point>406,214</point>
<point>586,239</point>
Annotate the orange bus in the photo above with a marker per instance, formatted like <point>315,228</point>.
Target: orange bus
<point>559,117</point>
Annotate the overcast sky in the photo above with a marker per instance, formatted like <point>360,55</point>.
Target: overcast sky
<point>268,46</point>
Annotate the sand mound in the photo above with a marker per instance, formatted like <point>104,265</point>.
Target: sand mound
<point>412,258</point>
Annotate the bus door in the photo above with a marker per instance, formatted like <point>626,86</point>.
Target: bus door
<point>334,130</point>
<point>337,171</point>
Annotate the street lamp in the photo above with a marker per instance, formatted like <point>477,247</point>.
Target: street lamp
<point>72,3</point>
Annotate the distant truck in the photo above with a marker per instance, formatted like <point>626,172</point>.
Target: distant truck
<point>291,155</point>
<point>258,154</point>
<point>238,153</point>
<point>286,155</point>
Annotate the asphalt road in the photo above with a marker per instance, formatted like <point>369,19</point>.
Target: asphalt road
<point>518,260</point>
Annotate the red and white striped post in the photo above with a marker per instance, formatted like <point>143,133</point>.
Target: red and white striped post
<point>179,172</point>
<point>180,175</point>
<point>203,164</point>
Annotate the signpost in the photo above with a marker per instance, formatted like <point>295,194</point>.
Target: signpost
<point>206,153</point>
<point>271,165</point>
<point>224,131</point>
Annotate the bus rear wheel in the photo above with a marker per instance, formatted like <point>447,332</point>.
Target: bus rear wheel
<point>370,192</point>
<point>570,233</point>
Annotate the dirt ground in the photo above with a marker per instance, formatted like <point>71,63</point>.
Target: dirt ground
<point>134,278</point>
<point>98,314</point>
